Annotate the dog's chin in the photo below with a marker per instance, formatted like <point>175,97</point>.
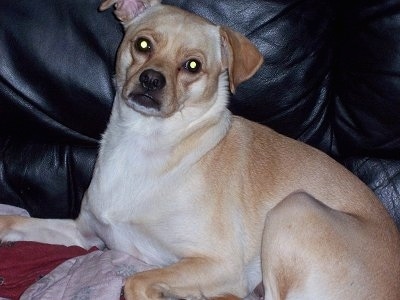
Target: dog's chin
<point>144,104</point>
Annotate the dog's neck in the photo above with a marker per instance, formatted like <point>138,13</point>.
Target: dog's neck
<point>182,138</point>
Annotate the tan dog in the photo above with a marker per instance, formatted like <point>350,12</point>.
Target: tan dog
<point>218,202</point>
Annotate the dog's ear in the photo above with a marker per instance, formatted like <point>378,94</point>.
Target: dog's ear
<point>127,10</point>
<point>240,57</point>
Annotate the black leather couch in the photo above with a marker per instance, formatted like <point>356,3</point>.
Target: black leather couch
<point>331,78</point>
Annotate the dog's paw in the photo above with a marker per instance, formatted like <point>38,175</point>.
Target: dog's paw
<point>141,286</point>
<point>8,232</point>
<point>138,288</point>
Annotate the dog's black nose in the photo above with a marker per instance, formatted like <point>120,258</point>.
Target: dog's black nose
<point>152,80</point>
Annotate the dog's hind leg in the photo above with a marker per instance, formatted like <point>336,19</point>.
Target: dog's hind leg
<point>311,251</point>
<point>51,231</point>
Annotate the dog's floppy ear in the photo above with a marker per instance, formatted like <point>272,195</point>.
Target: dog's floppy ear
<point>127,10</point>
<point>240,56</point>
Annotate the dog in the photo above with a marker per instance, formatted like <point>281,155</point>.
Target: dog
<point>218,202</point>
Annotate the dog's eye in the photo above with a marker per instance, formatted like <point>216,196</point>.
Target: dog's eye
<point>143,45</point>
<point>193,65</point>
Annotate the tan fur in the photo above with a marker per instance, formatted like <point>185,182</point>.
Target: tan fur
<point>218,202</point>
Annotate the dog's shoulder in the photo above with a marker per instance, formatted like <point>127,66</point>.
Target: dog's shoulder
<point>246,131</point>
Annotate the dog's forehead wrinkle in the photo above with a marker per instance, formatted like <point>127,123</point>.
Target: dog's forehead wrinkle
<point>198,43</point>
<point>173,20</point>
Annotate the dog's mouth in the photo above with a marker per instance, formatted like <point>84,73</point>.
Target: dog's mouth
<point>144,100</point>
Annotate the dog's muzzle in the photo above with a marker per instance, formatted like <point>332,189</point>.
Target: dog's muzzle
<point>151,83</point>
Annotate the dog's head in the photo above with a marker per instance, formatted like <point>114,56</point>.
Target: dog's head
<point>170,59</point>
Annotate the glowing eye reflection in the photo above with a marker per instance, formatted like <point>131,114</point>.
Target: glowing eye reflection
<point>193,65</point>
<point>143,45</point>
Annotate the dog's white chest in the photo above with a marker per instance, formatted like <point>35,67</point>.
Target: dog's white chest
<point>140,212</point>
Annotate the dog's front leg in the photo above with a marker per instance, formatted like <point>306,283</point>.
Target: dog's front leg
<point>191,278</point>
<point>51,231</point>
